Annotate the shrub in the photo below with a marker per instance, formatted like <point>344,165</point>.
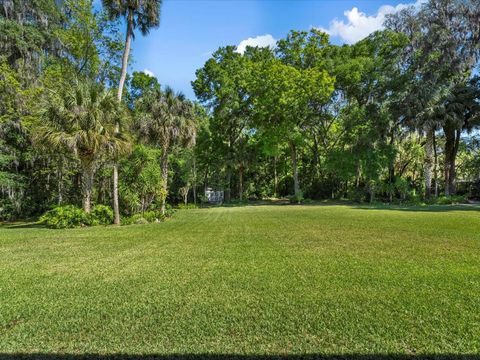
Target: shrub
<point>449,200</point>
<point>296,199</point>
<point>63,217</point>
<point>101,215</point>
<point>169,211</point>
<point>143,218</point>
<point>140,221</point>
<point>129,220</point>
<point>152,216</point>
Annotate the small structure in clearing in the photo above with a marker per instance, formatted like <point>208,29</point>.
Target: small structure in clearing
<point>214,197</point>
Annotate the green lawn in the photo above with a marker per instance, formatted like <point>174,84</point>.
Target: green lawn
<point>248,280</point>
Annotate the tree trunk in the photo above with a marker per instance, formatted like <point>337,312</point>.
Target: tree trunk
<point>435,164</point>
<point>428,162</point>
<point>230,159</point>
<point>88,172</point>
<point>116,205</point>
<point>228,191</point>
<point>296,185</point>
<point>194,179</point>
<point>275,179</point>
<point>60,182</point>
<point>371,191</point>
<point>452,139</point>
<point>126,53</point>
<point>316,159</point>
<point>453,167</point>
<point>240,182</point>
<point>123,76</point>
<point>391,170</point>
<point>164,169</point>
<point>358,174</point>
<point>205,180</point>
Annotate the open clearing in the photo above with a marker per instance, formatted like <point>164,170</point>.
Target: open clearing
<point>248,280</point>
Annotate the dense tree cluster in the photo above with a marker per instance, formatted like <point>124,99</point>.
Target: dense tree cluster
<point>378,119</point>
<point>393,117</point>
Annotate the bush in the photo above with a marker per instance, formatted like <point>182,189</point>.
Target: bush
<point>152,216</point>
<point>63,217</point>
<point>143,218</point>
<point>70,216</point>
<point>169,211</point>
<point>449,200</point>
<point>296,199</point>
<point>140,221</point>
<point>101,215</point>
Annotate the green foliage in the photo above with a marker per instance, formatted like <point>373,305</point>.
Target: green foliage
<point>147,217</point>
<point>63,217</point>
<point>449,200</point>
<point>296,198</point>
<point>167,120</point>
<point>143,15</point>
<point>186,207</point>
<point>356,194</point>
<point>141,84</point>
<point>141,183</point>
<point>102,215</point>
<point>325,121</point>
<point>70,216</point>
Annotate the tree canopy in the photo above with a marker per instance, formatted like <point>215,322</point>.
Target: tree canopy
<point>392,118</point>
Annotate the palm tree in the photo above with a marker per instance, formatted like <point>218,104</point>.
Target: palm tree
<point>141,14</point>
<point>81,120</point>
<point>422,108</point>
<point>167,120</point>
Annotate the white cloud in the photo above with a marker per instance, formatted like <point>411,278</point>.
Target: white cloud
<point>149,72</point>
<point>359,25</point>
<point>266,40</point>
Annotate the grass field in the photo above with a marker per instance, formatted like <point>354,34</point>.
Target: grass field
<point>291,280</point>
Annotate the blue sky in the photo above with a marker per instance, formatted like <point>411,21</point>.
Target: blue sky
<point>191,30</point>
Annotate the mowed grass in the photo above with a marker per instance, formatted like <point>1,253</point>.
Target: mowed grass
<point>248,280</point>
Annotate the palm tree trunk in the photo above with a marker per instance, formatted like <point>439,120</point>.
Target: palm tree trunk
<point>452,139</point>
<point>194,189</point>
<point>164,169</point>
<point>428,163</point>
<point>126,53</point>
<point>435,164</point>
<point>123,76</point>
<point>60,182</point>
<point>88,172</point>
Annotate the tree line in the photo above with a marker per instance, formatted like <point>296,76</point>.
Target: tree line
<point>393,117</point>
<point>377,119</point>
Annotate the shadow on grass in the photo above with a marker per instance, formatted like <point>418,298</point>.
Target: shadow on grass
<point>281,202</point>
<point>22,225</point>
<point>26,356</point>
<point>354,205</point>
<point>416,208</point>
